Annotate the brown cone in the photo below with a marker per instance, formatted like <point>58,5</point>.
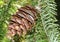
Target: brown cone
<point>22,21</point>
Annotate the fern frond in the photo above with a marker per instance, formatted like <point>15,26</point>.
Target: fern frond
<point>48,12</point>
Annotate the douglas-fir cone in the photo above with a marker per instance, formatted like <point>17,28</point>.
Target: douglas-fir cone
<point>22,22</point>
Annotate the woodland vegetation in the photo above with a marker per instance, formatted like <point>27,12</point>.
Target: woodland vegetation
<point>47,28</point>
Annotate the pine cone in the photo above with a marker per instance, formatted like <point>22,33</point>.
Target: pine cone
<point>22,21</point>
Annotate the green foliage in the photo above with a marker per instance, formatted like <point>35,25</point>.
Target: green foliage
<point>3,19</point>
<point>48,12</point>
<point>45,29</point>
<point>37,34</point>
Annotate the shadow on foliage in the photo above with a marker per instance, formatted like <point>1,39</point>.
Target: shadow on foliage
<point>58,10</point>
